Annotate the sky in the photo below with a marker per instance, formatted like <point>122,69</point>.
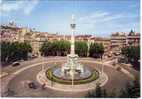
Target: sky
<point>96,17</point>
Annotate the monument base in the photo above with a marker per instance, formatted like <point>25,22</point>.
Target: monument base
<point>72,65</point>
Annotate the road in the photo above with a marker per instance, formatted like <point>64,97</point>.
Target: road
<point>117,79</point>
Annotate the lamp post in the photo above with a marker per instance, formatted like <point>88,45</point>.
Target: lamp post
<point>42,67</point>
<point>102,65</point>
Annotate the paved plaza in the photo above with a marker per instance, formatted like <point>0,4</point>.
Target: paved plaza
<point>18,77</point>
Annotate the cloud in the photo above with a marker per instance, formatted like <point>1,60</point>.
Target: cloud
<point>24,5</point>
<point>102,22</point>
<point>28,9</point>
<point>7,7</point>
<point>95,15</point>
<point>100,16</point>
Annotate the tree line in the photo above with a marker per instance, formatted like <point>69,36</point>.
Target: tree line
<point>131,90</point>
<point>96,50</point>
<point>55,48</point>
<point>62,48</point>
<point>13,51</point>
<point>132,54</point>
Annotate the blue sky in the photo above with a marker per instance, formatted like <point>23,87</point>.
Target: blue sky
<point>96,17</point>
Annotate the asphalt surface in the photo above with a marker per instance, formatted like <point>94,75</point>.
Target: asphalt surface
<point>116,79</point>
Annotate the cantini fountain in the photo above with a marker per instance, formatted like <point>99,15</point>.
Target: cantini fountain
<point>72,73</point>
<point>72,67</point>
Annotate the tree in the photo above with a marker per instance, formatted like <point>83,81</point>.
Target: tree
<point>13,51</point>
<point>132,90</point>
<point>96,50</point>
<point>25,48</point>
<point>46,48</point>
<point>132,53</point>
<point>98,92</point>
<point>5,51</point>
<point>63,47</point>
<point>55,48</point>
<point>81,48</point>
<point>112,93</point>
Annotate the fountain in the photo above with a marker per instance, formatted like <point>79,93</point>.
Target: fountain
<point>71,73</point>
<point>72,66</point>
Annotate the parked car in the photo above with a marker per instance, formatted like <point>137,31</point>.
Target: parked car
<point>15,64</point>
<point>32,85</point>
<point>34,56</point>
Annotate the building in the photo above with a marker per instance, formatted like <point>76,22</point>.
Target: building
<point>133,39</point>
<point>9,33</point>
<point>23,34</point>
<point>105,41</point>
<point>82,37</point>
<point>12,33</point>
<point>118,40</point>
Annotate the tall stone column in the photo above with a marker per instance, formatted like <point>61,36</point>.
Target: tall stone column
<point>73,25</point>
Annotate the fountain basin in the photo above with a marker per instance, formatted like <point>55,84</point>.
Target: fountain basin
<point>54,74</point>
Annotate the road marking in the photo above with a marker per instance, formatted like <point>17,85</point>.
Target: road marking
<point>3,74</point>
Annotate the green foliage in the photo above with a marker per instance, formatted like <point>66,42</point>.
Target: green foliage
<point>55,48</point>
<point>98,92</point>
<point>5,51</point>
<point>62,48</point>
<point>132,90</point>
<point>14,51</point>
<point>46,48</point>
<point>132,53</point>
<point>10,93</point>
<point>81,48</point>
<point>51,76</point>
<point>112,94</point>
<point>96,50</point>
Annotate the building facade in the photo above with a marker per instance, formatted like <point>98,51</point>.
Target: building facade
<point>118,40</point>
<point>133,39</point>
<point>12,33</point>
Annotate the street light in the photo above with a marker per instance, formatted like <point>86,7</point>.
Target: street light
<point>42,67</point>
<point>102,65</point>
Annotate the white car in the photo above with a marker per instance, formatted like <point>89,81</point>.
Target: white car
<point>15,64</point>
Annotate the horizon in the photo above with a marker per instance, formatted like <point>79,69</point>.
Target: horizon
<point>99,18</point>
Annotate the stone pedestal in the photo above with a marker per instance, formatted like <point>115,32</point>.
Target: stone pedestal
<point>72,65</point>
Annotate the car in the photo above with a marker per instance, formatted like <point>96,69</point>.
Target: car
<point>15,64</point>
<point>34,56</point>
<point>32,85</point>
<point>117,53</point>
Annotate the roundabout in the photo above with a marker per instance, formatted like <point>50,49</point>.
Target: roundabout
<point>55,82</point>
<point>113,80</point>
